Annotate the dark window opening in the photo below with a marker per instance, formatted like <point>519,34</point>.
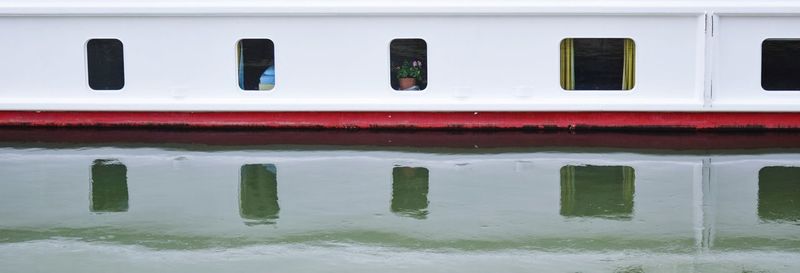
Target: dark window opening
<point>779,194</point>
<point>597,191</point>
<point>410,192</point>
<point>256,60</point>
<point>780,64</point>
<point>597,64</point>
<point>109,186</point>
<point>258,194</point>
<point>106,66</point>
<point>408,60</point>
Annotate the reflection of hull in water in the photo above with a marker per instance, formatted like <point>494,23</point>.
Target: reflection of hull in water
<point>191,199</point>
<point>424,139</point>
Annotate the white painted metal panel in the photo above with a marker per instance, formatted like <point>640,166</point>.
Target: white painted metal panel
<point>385,7</point>
<point>737,70</point>
<point>476,63</point>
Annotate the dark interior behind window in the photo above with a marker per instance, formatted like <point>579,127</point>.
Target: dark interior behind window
<point>408,64</point>
<point>780,64</point>
<point>105,64</point>
<point>598,64</point>
<point>256,64</point>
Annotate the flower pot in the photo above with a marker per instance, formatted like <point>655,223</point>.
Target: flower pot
<point>406,83</point>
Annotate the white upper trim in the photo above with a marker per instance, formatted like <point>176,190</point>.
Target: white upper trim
<point>383,7</point>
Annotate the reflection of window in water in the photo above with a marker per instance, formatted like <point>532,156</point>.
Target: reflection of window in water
<point>410,192</point>
<point>109,186</point>
<point>780,64</point>
<point>258,194</point>
<point>256,64</point>
<point>408,60</point>
<point>105,64</point>
<point>597,64</point>
<point>779,194</point>
<point>597,191</point>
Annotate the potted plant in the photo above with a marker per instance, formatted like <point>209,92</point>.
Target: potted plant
<point>409,74</point>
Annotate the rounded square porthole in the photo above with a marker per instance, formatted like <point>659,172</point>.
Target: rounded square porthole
<point>408,64</point>
<point>105,64</point>
<point>780,64</point>
<point>256,62</point>
<point>598,64</point>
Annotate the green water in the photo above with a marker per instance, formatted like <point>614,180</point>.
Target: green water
<point>307,208</point>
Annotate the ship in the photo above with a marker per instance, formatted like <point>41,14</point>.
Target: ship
<point>409,65</point>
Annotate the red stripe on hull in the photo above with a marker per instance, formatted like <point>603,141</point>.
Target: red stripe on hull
<point>406,120</point>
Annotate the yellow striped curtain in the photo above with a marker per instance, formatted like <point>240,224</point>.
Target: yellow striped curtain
<point>567,64</point>
<point>629,65</point>
<point>240,64</point>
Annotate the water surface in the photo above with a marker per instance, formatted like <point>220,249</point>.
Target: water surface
<point>364,203</point>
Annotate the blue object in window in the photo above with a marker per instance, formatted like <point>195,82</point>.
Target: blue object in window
<point>241,66</point>
<point>267,81</point>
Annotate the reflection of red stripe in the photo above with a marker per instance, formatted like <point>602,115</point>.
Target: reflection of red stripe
<point>424,139</point>
<point>407,120</point>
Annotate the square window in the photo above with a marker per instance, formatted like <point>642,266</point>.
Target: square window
<point>256,60</point>
<point>597,191</point>
<point>109,186</point>
<point>779,194</point>
<point>780,64</point>
<point>598,64</point>
<point>408,64</point>
<point>105,64</point>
